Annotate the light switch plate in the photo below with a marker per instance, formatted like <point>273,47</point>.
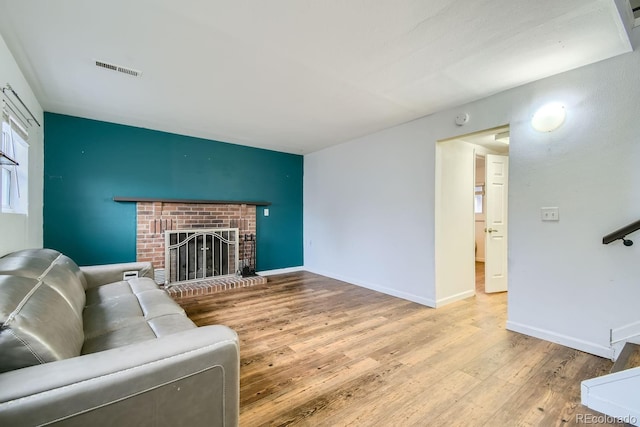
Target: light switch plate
<point>266,212</point>
<point>550,214</point>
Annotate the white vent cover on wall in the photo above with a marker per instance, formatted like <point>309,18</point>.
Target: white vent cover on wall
<point>118,68</point>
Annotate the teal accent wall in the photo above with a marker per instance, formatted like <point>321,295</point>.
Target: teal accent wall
<point>88,162</point>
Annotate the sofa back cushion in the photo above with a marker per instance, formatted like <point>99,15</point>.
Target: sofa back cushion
<point>30,261</point>
<point>41,301</point>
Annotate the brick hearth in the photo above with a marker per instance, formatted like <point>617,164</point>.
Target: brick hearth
<point>210,286</point>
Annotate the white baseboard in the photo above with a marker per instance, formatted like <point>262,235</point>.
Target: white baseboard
<point>567,341</point>
<point>280,271</point>
<point>453,298</point>
<point>378,288</point>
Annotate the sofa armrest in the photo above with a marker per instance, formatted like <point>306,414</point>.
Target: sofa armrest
<point>97,275</point>
<point>188,378</point>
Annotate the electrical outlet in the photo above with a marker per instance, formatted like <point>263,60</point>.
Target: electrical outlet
<point>550,214</point>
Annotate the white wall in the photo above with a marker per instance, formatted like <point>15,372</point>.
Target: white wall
<point>368,213</point>
<point>20,231</point>
<point>564,284</point>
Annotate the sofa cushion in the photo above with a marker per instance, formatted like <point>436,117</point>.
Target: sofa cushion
<point>125,287</point>
<point>112,314</point>
<point>135,330</point>
<point>49,256</point>
<point>170,324</point>
<point>37,322</point>
<point>129,311</point>
<point>55,269</point>
<point>40,309</point>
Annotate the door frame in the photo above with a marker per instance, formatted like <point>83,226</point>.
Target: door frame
<point>449,264</point>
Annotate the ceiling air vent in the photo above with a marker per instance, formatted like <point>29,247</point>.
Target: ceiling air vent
<point>118,68</point>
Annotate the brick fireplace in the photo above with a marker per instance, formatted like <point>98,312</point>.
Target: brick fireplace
<point>154,217</point>
<point>206,218</point>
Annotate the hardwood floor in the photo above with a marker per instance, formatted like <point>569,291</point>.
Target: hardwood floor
<point>320,352</point>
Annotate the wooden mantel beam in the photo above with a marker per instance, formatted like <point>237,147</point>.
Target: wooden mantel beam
<point>198,201</point>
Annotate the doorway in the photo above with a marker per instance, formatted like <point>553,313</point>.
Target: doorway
<point>471,214</point>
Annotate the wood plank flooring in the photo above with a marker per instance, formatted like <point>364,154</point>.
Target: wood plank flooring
<point>320,352</point>
<point>629,358</point>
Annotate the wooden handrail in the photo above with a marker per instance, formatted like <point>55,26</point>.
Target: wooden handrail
<point>621,234</point>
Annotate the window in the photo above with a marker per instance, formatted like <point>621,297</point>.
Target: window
<point>6,188</point>
<point>477,201</point>
<point>14,164</point>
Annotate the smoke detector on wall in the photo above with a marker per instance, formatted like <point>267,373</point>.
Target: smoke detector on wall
<point>118,68</point>
<point>462,119</point>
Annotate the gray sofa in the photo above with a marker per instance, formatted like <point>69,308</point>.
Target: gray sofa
<point>83,347</point>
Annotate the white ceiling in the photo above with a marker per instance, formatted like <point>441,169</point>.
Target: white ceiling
<point>295,75</point>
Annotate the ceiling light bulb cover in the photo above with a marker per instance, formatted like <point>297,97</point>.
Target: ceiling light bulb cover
<point>549,117</point>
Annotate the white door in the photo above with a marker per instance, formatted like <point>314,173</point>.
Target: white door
<point>496,187</point>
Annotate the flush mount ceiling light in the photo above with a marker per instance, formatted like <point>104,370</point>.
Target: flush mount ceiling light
<point>549,117</point>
